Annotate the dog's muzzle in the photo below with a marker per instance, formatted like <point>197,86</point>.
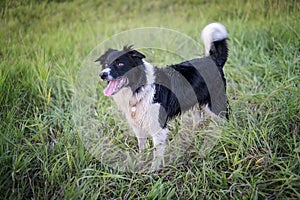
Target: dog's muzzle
<point>103,75</point>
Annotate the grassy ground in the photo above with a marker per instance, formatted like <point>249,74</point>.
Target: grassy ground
<point>42,155</point>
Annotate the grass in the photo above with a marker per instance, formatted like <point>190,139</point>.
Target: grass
<point>42,156</point>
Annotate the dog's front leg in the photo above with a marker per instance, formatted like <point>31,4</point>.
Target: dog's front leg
<point>159,142</point>
<point>142,142</point>
<point>142,139</point>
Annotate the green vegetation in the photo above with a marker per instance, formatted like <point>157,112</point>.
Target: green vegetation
<point>43,45</point>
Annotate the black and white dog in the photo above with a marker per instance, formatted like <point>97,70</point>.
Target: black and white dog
<point>151,96</point>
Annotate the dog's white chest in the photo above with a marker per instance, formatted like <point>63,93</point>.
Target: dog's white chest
<point>139,109</point>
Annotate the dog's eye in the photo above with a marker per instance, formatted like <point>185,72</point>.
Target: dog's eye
<point>120,64</point>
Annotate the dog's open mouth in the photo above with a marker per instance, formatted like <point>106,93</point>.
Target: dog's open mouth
<point>114,86</point>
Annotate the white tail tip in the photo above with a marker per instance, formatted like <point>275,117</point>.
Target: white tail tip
<point>211,33</point>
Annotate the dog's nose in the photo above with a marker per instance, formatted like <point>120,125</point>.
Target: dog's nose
<point>103,75</point>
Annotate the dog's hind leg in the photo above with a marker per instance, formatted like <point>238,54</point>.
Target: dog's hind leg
<point>197,116</point>
<point>214,117</point>
<point>159,142</point>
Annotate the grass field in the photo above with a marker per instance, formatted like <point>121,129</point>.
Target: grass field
<point>43,45</point>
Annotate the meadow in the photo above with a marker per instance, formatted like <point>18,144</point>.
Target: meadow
<point>42,154</point>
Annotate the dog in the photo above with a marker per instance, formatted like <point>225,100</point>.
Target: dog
<point>150,96</point>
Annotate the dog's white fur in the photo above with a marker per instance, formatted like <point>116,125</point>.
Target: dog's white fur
<point>142,115</point>
<point>213,32</point>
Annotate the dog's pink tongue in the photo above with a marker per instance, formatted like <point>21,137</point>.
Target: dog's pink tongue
<point>111,88</point>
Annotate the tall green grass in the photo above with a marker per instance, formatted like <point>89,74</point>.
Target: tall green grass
<point>42,47</point>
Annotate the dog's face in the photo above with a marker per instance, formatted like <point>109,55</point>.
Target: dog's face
<point>116,68</point>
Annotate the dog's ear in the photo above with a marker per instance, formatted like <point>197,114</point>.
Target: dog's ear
<point>136,54</point>
<point>103,57</point>
<point>133,53</point>
<point>100,59</point>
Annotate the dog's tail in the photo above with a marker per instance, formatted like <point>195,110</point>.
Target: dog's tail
<point>214,36</point>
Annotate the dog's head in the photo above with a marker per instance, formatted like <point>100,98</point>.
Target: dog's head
<point>119,68</point>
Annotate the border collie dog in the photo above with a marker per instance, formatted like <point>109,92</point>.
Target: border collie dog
<point>151,96</point>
